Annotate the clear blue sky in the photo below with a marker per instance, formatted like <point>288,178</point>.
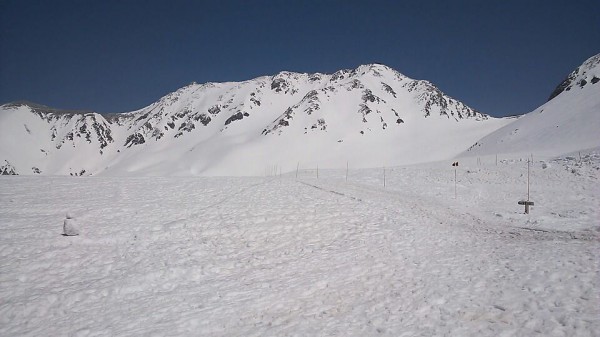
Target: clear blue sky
<point>500,57</point>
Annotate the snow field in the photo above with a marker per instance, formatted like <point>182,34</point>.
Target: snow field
<point>280,256</point>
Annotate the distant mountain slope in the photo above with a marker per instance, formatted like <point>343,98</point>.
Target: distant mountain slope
<point>568,122</point>
<point>368,116</point>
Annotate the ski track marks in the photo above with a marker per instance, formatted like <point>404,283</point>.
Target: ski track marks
<point>266,256</point>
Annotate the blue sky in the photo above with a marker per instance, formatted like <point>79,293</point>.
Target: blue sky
<point>500,57</point>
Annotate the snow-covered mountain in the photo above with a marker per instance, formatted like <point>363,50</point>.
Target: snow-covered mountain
<point>369,116</point>
<point>568,122</point>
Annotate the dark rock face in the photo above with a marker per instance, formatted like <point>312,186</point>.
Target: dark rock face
<point>278,85</point>
<point>86,124</point>
<point>563,86</point>
<point>135,139</point>
<point>364,111</point>
<point>310,100</point>
<point>203,118</point>
<point>185,127</point>
<point>314,77</point>
<point>282,121</point>
<point>7,169</point>
<point>362,92</point>
<point>432,97</point>
<point>236,117</point>
<point>579,77</point>
<point>77,174</point>
<point>342,74</point>
<point>369,97</point>
<point>214,110</point>
<point>388,89</point>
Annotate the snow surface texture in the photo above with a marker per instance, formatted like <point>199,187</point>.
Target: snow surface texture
<point>370,115</point>
<point>277,256</point>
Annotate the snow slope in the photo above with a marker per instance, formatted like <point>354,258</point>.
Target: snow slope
<point>568,122</point>
<point>369,116</point>
<point>273,256</point>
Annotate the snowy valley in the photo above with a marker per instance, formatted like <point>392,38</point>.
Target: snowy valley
<point>273,256</point>
<point>301,204</point>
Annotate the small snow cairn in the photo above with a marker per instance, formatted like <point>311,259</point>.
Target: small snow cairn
<point>70,227</point>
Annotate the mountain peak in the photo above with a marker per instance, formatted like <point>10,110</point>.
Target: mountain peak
<point>213,128</point>
<point>40,108</point>
<point>18,104</point>
<point>586,74</point>
<point>568,122</point>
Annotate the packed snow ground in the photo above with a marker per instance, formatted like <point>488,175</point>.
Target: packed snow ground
<point>307,256</point>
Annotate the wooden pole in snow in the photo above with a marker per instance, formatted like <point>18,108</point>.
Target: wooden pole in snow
<point>455,182</point>
<point>317,171</point>
<point>346,171</point>
<point>455,165</point>
<point>384,176</point>
<point>297,166</point>
<point>528,180</point>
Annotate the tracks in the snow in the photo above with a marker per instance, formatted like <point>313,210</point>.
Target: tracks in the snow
<point>330,191</point>
<point>392,200</point>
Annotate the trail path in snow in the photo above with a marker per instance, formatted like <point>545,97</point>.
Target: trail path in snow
<point>270,256</point>
<point>484,277</point>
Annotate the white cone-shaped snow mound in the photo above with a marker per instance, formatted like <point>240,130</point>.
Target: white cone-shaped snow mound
<point>70,227</point>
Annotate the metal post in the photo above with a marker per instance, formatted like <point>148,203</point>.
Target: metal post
<point>297,166</point>
<point>454,182</point>
<point>527,206</point>
<point>346,171</point>
<point>384,177</point>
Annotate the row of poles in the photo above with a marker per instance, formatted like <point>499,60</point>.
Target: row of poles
<point>276,170</point>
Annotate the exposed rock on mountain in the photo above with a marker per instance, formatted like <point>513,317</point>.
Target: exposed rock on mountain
<point>568,122</point>
<point>370,115</point>
<point>585,74</point>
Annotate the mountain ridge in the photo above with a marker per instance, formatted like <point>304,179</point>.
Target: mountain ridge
<point>568,122</point>
<point>203,129</point>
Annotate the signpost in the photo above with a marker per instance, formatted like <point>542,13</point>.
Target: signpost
<point>527,203</point>
<point>455,165</point>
